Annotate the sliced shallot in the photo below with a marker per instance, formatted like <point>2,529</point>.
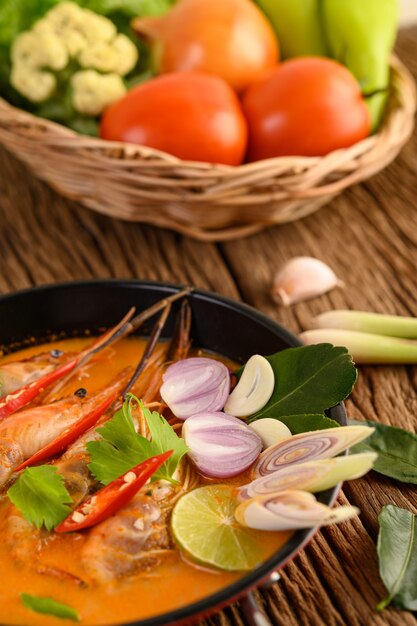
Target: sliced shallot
<point>317,444</point>
<point>312,476</point>
<point>289,510</point>
<point>195,385</point>
<point>221,445</point>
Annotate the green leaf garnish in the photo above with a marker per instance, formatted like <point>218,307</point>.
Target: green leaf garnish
<point>48,606</point>
<point>396,448</point>
<point>41,496</point>
<point>122,448</point>
<point>305,423</point>
<point>397,556</point>
<point>309,379</point>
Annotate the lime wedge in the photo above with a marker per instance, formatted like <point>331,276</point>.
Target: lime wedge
<point>204,525</point>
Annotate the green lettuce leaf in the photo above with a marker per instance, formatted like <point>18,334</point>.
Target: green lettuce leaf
<point>41,496</point>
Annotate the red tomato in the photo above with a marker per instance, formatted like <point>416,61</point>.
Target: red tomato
<point>306,107</point>
<point>193,116</point>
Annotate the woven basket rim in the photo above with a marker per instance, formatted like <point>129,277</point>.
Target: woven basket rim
<point>86,141</point>
<point>209,202</point>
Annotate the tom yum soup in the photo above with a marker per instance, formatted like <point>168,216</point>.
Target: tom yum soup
<point>138,476</point>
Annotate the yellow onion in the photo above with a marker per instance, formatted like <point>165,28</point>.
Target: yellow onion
<point>229,38</point>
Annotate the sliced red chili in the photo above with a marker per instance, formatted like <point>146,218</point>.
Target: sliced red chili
<point>113,497</point>
<point>71,434</point>
<point>23,396</point>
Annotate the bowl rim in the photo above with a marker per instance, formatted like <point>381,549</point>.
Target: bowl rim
<point>225,596</point>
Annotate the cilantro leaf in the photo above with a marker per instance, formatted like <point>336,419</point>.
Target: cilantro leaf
<point>121,447</point>
<point>164,438</point>
<point>41,496</point>
<point>48,606</point>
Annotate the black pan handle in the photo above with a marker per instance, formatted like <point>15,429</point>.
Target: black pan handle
<point>250,609</point>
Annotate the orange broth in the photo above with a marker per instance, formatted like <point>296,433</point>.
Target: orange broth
<point>171,585</point>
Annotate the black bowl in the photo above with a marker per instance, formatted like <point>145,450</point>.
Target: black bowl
<point>219,324</point>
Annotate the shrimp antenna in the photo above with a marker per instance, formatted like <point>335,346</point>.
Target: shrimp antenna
<point>151,343</point>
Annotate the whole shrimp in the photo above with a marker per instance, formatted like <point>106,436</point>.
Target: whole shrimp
<point>132,541</point>
<point>23,386</point>
<point>73,463</point>
<point>29,430</point>
<point>16,374</point>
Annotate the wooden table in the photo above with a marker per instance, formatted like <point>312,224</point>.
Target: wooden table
<point>368,236</point>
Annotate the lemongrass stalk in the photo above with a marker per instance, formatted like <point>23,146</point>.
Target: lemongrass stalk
<point>375,323</point>
<point>311,476</point>
<point>365,347</point>
<point>289,510</point>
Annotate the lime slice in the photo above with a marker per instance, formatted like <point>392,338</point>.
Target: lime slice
<point>203,523</point>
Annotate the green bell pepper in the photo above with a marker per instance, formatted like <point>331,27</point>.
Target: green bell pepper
<point>361,35</point>
<point>298,26</point>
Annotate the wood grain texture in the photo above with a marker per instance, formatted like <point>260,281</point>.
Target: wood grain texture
<point>369,237</point>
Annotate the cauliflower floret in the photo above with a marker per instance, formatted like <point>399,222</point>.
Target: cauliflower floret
<point>35,85</point>
<point>68,17</point>
<point>127,54</point>
<point>35,50</point>
<point>97,27</point>
<point>94,92</point>
<point>72,39</point>
<point>119,56</point>
<point>69,32</point>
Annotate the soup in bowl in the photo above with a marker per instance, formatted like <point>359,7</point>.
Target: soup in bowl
<point>156,471</point>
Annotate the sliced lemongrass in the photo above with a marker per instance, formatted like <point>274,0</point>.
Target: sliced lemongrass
<point>312,476</point>
<point>317,444</point>
<point>270,430</point>
<point>303,278</point>
<point>221,446</point>
<point>374,323</point>
<point>254,388</point>
<point>290,510</point>
<point>365,347</point>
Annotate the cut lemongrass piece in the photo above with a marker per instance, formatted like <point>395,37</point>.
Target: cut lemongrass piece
<point>375,323</point>
<point>254,388</point>
<point>312,476</point>
<point>270,430</point>
<point>317,444</point>
<point>289,510</point>
<point>365,347</point>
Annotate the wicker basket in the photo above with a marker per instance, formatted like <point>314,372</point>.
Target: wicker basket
<point>207,202</point>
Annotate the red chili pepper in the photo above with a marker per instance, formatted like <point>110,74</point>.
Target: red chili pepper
<point>18,399</point>
<point>69,435</point>
<point>113,497</point>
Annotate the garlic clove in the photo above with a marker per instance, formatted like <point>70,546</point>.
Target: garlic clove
<point>254,388</point>
<point>303,278</point>
<point>270,430</point>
